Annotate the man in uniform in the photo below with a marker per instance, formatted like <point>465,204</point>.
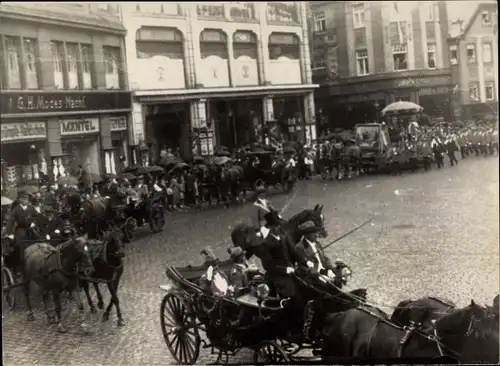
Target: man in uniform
<point>18,224</point>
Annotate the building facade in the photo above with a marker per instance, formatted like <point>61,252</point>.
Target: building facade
<point>64,100</point>
<point>474,64</point>
<point>217,74</point>
<point>367,55</point>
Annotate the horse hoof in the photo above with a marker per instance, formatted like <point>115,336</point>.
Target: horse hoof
<point>100,305</point>
<point>93,309</point>
<point>31,317</point>
<point>120,323</point>
<point>61,328</point>
<point>105,317</point>
<point>51,320</point>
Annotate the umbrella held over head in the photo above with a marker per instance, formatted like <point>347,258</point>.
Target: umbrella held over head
<point>401,108</point>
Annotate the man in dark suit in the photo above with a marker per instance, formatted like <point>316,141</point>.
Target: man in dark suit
<point>18,224</point>
<point>311,250</point>
<point>278,257</point>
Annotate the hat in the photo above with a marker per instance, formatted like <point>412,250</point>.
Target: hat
<point>308,227</point>
<point>140,177</point>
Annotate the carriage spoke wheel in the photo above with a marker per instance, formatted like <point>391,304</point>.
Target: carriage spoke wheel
<point>180,330</point>
<point>7,283</point>
<point>270,352</point>
<point>157,221</point>
<point>129,230</point>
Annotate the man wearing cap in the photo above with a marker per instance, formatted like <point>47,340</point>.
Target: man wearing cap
<point>19,222</point>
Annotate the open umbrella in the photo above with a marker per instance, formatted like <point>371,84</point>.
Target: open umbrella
<point>128,176</point>
<point>168,161</point>
<point>401,108</point>
<point>6,201</point>
<point>221,160</point>
<point>29,189</point>
<point>289,150</point>
<point>131,168</point>
<point>149,169</point>
<point>68,180</point>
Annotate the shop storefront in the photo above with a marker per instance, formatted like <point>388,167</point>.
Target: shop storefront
<point>58,131</point>
<point>80,145</point>
<point>361,101</point>
<point>289,114</point>
<point>119,142</point>
<point>23,153</point>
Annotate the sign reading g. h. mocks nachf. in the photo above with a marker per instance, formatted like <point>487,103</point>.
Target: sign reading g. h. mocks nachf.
<point>72,127</point>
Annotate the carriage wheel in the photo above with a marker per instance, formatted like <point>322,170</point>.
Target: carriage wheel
<point>7,283</point>
<point>129,229</point>
<point>268,352</point>
<point>179,330</point>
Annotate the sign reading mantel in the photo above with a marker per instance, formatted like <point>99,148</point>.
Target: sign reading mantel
<point>72,127</point>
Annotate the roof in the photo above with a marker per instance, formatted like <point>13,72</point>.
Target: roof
<point>468,23</point>
<point>71,15</point>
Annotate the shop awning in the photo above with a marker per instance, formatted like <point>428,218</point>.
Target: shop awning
<point>155,96</point>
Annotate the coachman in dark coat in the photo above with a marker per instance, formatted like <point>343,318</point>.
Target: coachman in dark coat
<point>18,224</point>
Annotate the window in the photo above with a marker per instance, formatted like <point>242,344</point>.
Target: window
<point>86,66</point>
<point>150,8</point>
<point>430,30</point>
<point>319,21</point>
<point>473,92</point>
<point>58,60</point>
<point>72,65</point>
<point>490,92</point>
<point>13,53</point>
<point>471,53</point>
<point>358,15</point>
<point>487,55</point>
<point>111,59</point>
<point>431,55</point>
<point>30,63</point>
<point>319,64</point>
<point>486,18</point>
<point>399,56</point>
<point>362,64</point>
<point>454,54</point>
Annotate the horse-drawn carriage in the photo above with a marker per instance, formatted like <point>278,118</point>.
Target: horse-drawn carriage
<point>264,169</point>
<point>198,299</point>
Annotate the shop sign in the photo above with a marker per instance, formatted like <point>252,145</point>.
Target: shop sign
<point>23,131</point>
<point>49,102</point>
<point>71,127</point>
<point>118,124</point>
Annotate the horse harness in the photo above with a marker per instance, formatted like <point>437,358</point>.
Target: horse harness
<point>51,251</point>
<point>414,328</point>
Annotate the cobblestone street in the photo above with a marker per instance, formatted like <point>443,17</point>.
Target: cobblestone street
<point>434,233</point>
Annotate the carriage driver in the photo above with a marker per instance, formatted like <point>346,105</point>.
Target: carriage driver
<point>309,248</point>
<point>20,220</point>
<point>278,256</point>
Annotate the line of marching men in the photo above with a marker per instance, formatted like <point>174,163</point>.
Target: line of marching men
<point>471,140</point>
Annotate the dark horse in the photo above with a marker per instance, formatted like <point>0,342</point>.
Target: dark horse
<point>421,312</point>
<point>56,270</point>
<point>107,259</point>
<point>366,335</point>
<point>315,215</point>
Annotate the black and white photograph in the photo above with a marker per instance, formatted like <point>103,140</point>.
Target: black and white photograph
<point>295,182</point>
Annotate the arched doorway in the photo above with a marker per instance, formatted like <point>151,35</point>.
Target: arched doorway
<point>160,58</point>
<point>214,68</point>
<point>245,50</point>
